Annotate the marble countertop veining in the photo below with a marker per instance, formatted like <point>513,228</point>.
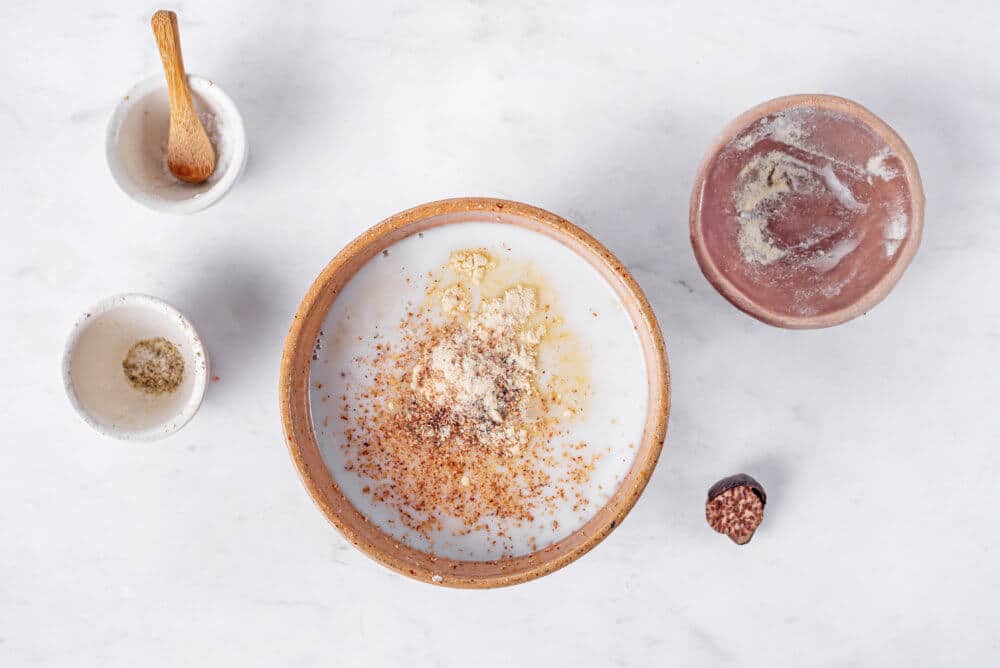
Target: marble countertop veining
<point>877,440</point>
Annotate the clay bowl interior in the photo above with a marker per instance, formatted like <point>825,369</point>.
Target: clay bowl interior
<point>302,442</point>
<point>842,200</point>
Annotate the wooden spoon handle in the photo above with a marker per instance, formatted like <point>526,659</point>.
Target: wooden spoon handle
<point>168,39</point>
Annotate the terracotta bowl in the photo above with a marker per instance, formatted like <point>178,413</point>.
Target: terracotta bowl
<point>806,211</point>
<point>298,425</point>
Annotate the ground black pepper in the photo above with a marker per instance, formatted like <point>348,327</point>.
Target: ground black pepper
<point>154,366</point>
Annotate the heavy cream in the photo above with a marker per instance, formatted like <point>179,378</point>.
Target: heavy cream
<point>593,344</point>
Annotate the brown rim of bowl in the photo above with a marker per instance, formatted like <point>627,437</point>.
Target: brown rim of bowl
<point>297,422</point>
<point>883,287</point>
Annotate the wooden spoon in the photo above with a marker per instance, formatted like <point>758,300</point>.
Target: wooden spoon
<point>189,152</point>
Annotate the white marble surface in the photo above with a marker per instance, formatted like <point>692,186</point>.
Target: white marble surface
<point>877,440</point>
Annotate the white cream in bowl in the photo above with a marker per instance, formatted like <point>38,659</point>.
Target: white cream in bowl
<point>591,346</point>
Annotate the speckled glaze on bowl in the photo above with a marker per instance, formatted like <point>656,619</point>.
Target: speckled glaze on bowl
<point>850,270</point>
<point>294,396</point>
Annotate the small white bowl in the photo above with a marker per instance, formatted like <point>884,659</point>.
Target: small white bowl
<point>96,384</point>
<point>137,146</point>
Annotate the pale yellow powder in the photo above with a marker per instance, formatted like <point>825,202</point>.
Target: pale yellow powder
<point>485,369</point>
<point>455,300</point>
<point>473,263</point>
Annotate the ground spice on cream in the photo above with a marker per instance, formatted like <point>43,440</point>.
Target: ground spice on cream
<point>454,422</point>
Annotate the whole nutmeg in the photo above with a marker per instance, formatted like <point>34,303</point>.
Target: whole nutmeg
<point>735,507</point>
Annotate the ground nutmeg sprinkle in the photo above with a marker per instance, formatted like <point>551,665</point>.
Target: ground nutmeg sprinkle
<point>452,427</point>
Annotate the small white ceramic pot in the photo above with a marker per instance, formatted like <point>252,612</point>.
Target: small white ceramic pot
<point>95,380</point>
<point>137,144</point>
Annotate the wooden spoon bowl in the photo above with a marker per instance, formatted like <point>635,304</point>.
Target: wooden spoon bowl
<point>190,155</point>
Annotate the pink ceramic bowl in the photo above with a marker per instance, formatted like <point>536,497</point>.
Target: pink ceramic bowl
<point>806,211</point>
